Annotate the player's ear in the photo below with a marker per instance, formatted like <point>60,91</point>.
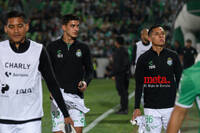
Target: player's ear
<point>149,38</point>
<point>64,27</point>
<point>27,27</point>
<point>5,29</point>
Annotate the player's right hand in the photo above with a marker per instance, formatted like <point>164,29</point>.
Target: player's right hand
<point>136,113</point>
<point>68,120</point>
<point>113,77</point>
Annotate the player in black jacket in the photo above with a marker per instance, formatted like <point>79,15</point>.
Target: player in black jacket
<point>73,68</point>
<point>121,73</point>
<point>158,72</point>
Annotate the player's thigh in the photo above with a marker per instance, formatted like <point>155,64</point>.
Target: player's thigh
<point>78,129</point>
<point>78,117</point>
<point>153,123</point>
<point>57,118</point>
<point>31,127</point>
<point>166,113</point>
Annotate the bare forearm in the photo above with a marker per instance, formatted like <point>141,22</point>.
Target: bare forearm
<point>176,119</point>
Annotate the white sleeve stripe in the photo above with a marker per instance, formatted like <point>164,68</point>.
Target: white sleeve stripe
<point>184,106</point>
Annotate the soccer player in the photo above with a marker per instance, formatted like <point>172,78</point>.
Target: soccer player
<point>141,46</point>
<point>158,72</point>
<point>23,62</point>
<point>188,94</point>
<point>73,68</point>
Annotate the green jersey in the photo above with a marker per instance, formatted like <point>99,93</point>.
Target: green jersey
<point>189,91</point>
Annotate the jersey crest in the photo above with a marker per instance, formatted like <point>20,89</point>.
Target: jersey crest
<point>78,53</point>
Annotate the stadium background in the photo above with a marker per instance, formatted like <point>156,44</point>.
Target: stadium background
<point>102,20</point>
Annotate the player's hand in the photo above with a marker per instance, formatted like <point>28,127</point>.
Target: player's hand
<point>82,85</point>
<point>136,113</point>
<point>113,77</point>
<point>68,120</point>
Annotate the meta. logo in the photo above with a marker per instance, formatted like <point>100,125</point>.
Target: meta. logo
<point>4,88</point>
<point>156,80</point>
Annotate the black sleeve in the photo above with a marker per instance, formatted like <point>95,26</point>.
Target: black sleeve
<point>177,70</point>
<point>195,52</point>
<point>87,61</point>
<point>139,77</point>
<point>134,53</point>
<point>46,70</point>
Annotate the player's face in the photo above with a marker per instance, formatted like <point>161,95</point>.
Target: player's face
<point>71,29</point>
<point>157,37</point>
<point>16,29</point>
<point>188,44</point>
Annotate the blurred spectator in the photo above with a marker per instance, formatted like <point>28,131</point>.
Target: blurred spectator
<point>177,47</point>
<point>189,54</point>
<point>102,20</point>
<point>108,69</point>
<point>95,65</point>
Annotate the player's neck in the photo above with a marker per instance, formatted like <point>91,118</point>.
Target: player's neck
<point>18,43</point>
<point>68,40</point>
<point>157,49</point>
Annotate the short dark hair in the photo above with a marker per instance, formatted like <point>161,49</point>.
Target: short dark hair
<point>15,14</point>
<point>68,17</point>
<point>153,27</point>
<point>189,41</point>
<point>120,40</point>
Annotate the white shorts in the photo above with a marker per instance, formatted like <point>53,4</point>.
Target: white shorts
<point>77,116</point>
<point>29,127</point>
<point>156,119</point>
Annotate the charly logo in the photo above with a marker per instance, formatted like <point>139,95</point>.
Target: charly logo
<point>78,53</point>
<point>59,54</point>
<point>8,74</point>
<point>4,88</point>
<point>151,65</point>
<point>169,61</point>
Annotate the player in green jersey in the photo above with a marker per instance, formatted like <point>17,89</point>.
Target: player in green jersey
<point>189,93</point>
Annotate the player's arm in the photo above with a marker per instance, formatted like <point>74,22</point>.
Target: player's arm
<point>134,54</point>
<point>47,72</point>
<point>177,70</point>
<point>139,78</point>
<point>195,53</point>
<point>88,66</point>
<point>185,100</point>
<point>176,119</point>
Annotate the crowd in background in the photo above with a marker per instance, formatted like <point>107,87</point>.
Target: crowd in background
<point>102,20</point>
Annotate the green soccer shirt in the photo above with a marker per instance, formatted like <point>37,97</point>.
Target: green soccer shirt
<point>189,91</point>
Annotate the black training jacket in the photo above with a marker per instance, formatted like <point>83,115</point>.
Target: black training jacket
<point>71,64</point>
<point>158,76</point>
